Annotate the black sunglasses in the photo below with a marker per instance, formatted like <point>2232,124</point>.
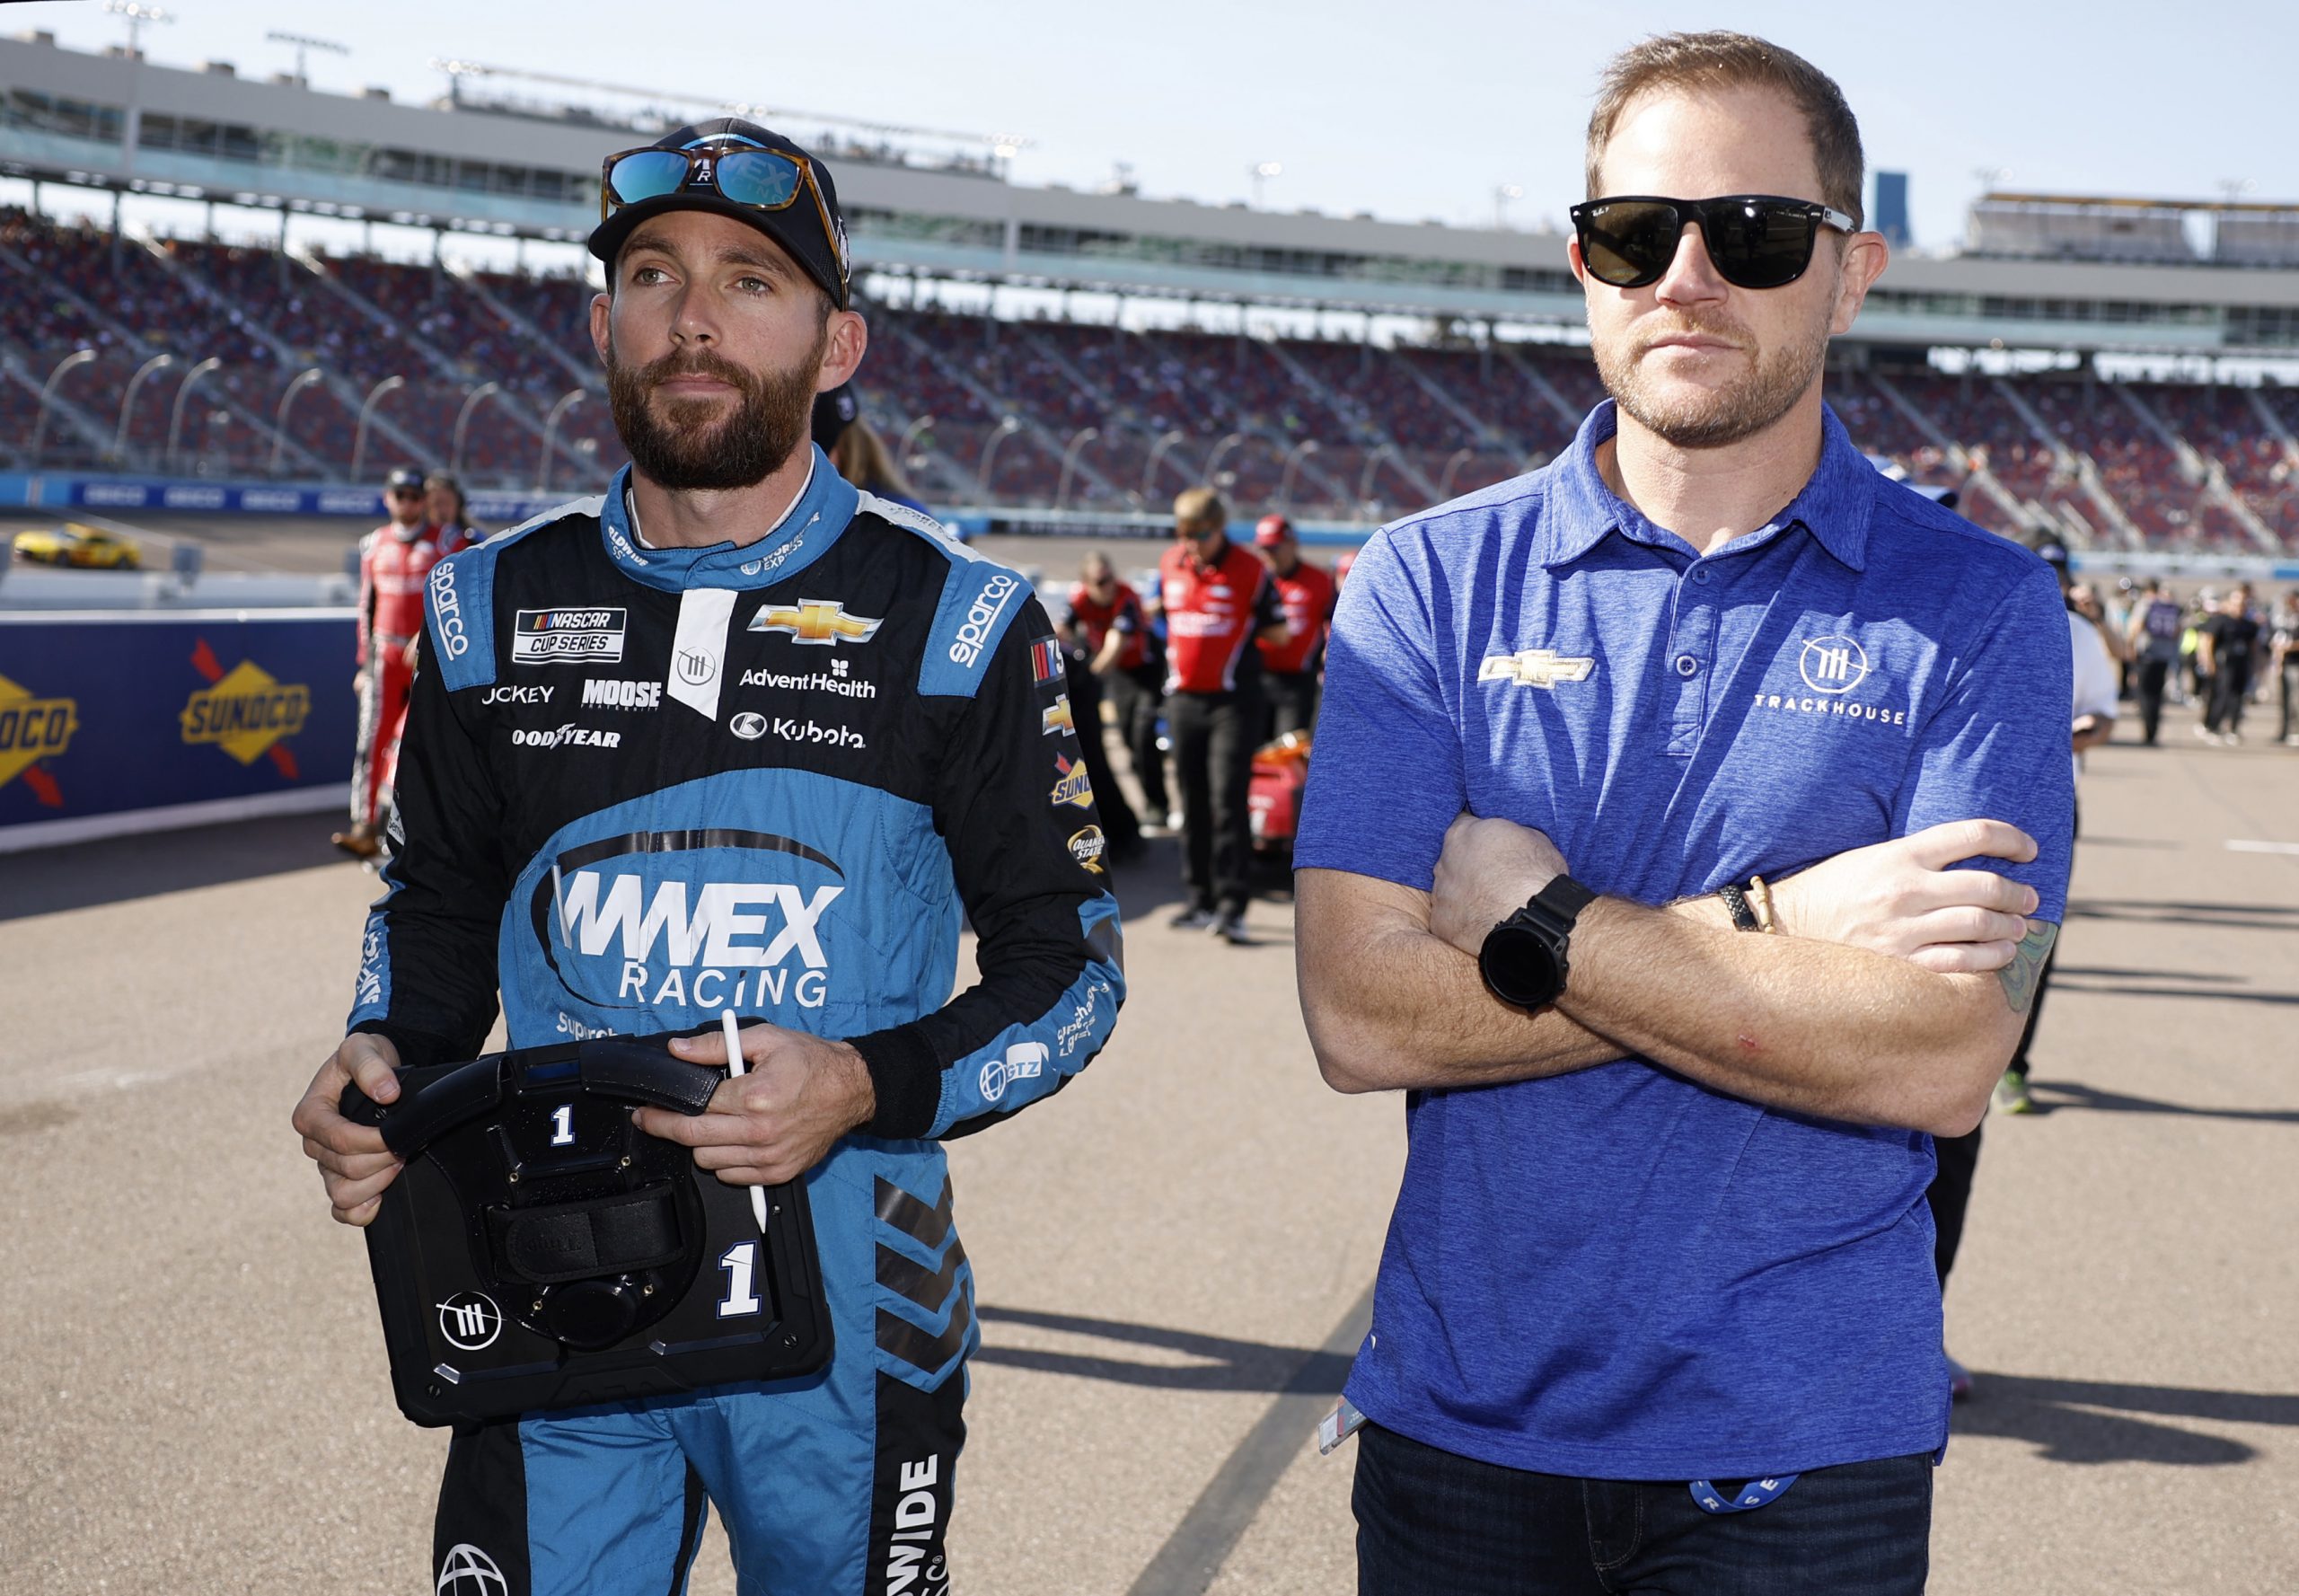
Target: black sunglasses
<point>1755,241</point>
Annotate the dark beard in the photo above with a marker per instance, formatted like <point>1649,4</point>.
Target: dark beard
<point>683,449</point>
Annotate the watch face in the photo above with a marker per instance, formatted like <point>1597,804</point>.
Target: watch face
<point>1521,966</point>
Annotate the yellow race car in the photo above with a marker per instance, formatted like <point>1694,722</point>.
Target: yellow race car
<point>74,544</point>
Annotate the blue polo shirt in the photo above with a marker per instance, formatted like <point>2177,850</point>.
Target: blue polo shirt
<point>1618,1273</point>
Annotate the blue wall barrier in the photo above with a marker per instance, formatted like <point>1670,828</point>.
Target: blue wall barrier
<point>115,713</point>
<point>62,491</point>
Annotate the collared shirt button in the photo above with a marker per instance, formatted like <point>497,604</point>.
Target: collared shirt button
<point>1700,573</point>
<point>1687,665</point>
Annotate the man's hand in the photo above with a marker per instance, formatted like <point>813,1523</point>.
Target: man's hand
<point>352,1160</point>
<point>1487,871</point>
<point>1898,899</point>
<point>776,1123</point>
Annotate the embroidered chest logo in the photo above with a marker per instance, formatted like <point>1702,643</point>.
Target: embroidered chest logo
<point>822,621</point>
<point>1535,668</point>
<point>1830,667</point>
<point>1833,663</point>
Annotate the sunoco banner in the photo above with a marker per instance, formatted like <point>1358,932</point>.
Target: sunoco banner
<point>99,716</point>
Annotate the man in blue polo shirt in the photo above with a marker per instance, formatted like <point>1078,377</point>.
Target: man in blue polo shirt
<point>1663,1214</point>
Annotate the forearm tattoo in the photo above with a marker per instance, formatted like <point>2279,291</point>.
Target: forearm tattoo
<point>2025,972</point>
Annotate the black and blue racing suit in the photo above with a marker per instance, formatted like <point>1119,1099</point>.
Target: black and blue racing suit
<point>642,785</point>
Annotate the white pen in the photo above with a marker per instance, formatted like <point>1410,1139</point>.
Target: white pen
<point>733,1072</point>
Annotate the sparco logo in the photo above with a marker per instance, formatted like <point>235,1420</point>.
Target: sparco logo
<point>809,731</point>
<point>605,692</point>
<point>447,611</point>
<point>915,1530</point>
<point>987,606</point>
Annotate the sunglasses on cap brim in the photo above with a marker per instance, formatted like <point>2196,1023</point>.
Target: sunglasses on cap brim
<point>744,175</point>
<point>1755,240</point>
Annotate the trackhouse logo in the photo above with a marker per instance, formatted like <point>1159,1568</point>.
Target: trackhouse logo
<point>627,922</point>
<point>470,1320</point>
<point>1830,668</point>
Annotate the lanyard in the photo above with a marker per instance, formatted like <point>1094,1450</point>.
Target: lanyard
<point>1755,1493</point>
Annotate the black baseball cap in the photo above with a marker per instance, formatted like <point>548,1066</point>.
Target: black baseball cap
<point>798,226</point>
<point>405,476</point>
<point>835,412</point>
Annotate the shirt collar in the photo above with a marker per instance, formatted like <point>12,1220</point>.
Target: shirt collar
<point>1834,506</point>
<point>816,519</point>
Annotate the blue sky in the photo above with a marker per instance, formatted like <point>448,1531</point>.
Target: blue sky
<point>1410,112</point>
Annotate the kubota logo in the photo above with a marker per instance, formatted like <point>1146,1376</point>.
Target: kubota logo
<point>33,729</point>
<point>244,712</point>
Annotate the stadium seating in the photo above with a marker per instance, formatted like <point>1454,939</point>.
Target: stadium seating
<point>1342,429</point>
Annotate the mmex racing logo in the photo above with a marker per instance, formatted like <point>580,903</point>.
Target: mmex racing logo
<point>704,920</point>
<point>245,711</point>
<point>33,728</point>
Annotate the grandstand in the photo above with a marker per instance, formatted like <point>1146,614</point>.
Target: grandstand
<point>188,356</point>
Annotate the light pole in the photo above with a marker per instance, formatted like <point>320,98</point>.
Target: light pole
<point>127,399</point>
<point>390,385</point>
<point>1461,457</point>
<point>1078,440</point>
<point>1228,441</point>
<point>463,422</point>
<point>567,402</point>
<point>1261,171</point>
<point>183,391</point>
<point>77,358</point>
<point>1293,456</point>
<point>295,385</point>
<point>910,435</point>
<point>999,434</point>
<point>1365,477</point>
<point>1166,440</point>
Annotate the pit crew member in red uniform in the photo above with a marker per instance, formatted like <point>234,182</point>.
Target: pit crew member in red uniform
<point>1219,602</point>
<point>395,559</point>
<point>1292,666</point>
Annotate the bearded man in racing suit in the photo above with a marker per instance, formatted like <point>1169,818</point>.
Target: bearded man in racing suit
<point>737,736</point>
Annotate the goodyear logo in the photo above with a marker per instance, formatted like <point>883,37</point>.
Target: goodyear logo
<point>245,711</point>
<point>33,728</point>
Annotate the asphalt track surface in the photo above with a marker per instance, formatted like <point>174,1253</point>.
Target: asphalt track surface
<point>1173,1256</point>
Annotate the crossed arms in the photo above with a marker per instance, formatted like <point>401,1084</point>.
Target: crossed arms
<point>1895,997</point>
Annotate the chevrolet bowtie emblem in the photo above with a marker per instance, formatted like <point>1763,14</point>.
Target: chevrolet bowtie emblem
<point>823,620</point>
<point>1535,668</point>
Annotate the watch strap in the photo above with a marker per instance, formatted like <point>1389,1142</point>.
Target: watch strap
<point>1559,903</point>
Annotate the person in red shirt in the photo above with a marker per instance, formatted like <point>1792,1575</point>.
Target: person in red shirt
<point>1292,666</point>
<point>1089,644</point>
<point>450,518</point>
<point>1110,616</point>
<point>1219,602</point>
<point>395,560</point>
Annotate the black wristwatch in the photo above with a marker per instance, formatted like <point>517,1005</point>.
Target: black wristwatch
<point>1523,959</point>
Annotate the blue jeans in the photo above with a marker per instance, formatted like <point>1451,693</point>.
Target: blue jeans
<point>1431,1521</point>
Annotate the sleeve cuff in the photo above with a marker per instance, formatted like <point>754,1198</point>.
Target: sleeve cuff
<point>417,1049</point>
<point>907,1078</point>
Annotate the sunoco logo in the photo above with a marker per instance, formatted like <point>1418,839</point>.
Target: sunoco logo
<point>981,615</point>
<point>244,712</point>
<point>33,729</point>
<point>447,611</point>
